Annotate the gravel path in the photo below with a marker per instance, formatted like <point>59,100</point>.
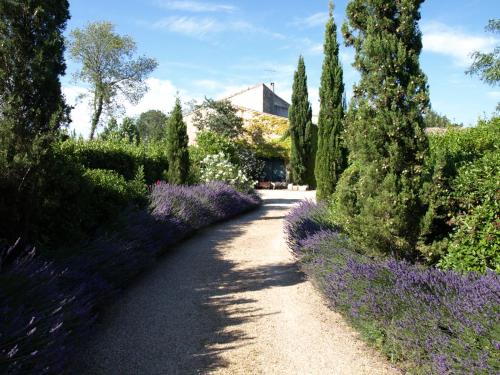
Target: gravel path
<point>228,301</point>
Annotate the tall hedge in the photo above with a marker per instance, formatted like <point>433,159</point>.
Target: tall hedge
<point>379,201</point>
<point>331,156</point>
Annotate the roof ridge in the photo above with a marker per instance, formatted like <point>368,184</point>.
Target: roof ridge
<point>242,91</point>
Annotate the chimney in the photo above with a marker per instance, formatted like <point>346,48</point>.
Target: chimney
<point>272,85</point>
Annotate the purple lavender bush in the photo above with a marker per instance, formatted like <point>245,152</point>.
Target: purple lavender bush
<point>430,321</point>
<point>46,306</point>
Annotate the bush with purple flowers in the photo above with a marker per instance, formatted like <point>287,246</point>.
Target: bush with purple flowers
<point>45,305</point>
<point>428,320</point>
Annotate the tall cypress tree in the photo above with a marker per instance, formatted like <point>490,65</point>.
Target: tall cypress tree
<point>31,105</point>
<point>377,198</point>
<point>177,147</point>
<point>331,155</point>
<point>302,130</point>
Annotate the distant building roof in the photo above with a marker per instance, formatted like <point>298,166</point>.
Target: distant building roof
<point>260,98</point>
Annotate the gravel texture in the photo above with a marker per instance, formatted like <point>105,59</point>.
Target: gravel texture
<point>228,301</point>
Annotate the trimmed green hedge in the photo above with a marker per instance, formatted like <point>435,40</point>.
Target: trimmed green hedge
<point>461,227</point>
<point>87,183</point>
<point>121,157</point>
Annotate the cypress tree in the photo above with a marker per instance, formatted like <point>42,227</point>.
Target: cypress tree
<point>32,108</point>
<point>377,200</point>
<point>331,155</point>
<point>302,130</point>
<point>177,147</point>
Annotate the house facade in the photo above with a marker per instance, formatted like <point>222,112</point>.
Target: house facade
<point>251,102</point>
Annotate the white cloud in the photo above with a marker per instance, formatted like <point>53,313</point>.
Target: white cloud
<point>454,42</point>
<point>316,49</point>
<point>202,27</point>
<point>494,94</point>
<point>81,113</point>
<point>317,19</point>
<point>191,26</point>
<point>161,96</point>
<point>196,6</point>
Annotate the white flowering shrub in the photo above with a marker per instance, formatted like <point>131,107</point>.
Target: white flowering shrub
<point>217,167</point>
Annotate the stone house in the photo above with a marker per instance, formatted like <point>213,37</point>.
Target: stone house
<point>251,103</point>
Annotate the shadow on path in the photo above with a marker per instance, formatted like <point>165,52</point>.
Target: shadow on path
<point>180,317</point>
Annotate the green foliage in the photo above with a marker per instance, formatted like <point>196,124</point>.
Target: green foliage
<point>331,158</point>
<point>77,199</point>
<point>32,108</point>
<point>218,116</point>
<point>302,131</point>
<point>109,67</point>
<point>460,227</point>
<point>385,135</point>
<point>475,242</point>
<point>239,152</point>
<point>177,147</point>
<point>267,134</point>
<point>487,65</point>
<point>124,158</point>
<point>152,126</point>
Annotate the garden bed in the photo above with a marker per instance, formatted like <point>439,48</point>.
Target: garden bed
<point>427,320</point>
<point>49,304</point>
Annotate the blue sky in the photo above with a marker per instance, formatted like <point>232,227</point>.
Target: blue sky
<point>217,47</point>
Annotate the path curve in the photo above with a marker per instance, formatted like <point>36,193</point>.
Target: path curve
<point>228,301</point>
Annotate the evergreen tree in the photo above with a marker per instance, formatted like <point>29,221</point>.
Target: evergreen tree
<point>377,200</point>
<point>177,147</point>
<point>331,156</point>
<point>32,108</point>
<point>302,130</point>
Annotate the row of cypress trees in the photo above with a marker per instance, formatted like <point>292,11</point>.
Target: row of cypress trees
<point>380,139</point>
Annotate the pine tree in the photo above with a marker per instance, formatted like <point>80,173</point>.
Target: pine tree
<point>177,147</point>
<point>377,200</point>
<point>302,130</point>
<point>32,108</point>
<point>331,156</point>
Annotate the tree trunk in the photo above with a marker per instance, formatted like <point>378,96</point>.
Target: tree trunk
<point>97,114</point>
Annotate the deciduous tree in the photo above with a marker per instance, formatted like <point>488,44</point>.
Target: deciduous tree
<point>109,67</point>
<point>218,116</point>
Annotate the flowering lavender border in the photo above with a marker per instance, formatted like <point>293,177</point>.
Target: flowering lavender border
<point>46,306</point>
<point>428,320</point>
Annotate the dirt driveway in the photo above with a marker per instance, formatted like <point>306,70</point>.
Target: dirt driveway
<point>228,301</point>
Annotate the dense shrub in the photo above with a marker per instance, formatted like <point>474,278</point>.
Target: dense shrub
<point>78,200</point>
<point>122,157</point>
<point>238,152</point>
<point>475,242</point>
<point>47,305</point>
<point>218,167</point>
<point>461,195</point>
<point>430,321</point>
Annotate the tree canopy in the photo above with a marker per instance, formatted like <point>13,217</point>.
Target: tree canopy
<point>218,116</point>
<point>109,67</point>
<point>151,126</point>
